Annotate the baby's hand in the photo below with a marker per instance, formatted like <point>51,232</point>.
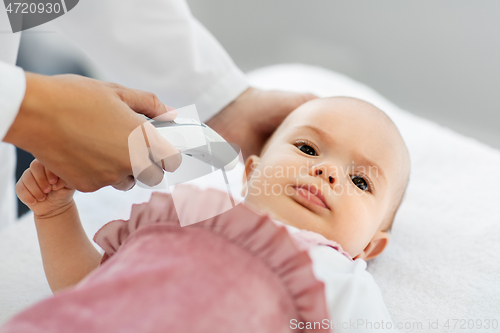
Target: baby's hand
<point>43,192</point>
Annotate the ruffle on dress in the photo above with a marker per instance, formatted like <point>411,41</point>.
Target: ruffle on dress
<point>307,239</point>
<point>284,256</point>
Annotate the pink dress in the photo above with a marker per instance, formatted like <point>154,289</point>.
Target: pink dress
<point>236,272</point>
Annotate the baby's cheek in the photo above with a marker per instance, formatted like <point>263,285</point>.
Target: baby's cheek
<point>352,228</point>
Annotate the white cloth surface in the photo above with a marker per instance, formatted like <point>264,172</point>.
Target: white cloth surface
<point>440,263</point>
<point>158,47</point>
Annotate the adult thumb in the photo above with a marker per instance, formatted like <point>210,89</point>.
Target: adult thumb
<point>147,103</point>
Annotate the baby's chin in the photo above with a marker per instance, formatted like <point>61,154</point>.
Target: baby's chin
<point>288,216</point>
<point>294,220</point>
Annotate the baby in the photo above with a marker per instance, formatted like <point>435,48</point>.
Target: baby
<point>336,166</point>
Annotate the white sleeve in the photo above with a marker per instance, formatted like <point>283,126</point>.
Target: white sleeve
<point>12,89</point>
<point>354,300</point>
<point>156,46</point>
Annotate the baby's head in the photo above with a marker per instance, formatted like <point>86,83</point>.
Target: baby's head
<point>337,166</point>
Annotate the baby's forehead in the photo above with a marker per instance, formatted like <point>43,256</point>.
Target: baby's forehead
<point>344,118</point>
<point>333,107</point>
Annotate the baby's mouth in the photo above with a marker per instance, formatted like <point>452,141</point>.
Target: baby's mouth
<point>312,194</point>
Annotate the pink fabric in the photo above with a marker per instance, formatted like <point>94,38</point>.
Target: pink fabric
<point>307,239</point>
<point>235,272</point>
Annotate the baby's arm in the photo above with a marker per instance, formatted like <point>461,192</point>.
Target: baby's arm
<point>67,253</point>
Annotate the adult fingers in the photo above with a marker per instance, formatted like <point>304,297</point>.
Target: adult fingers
<point>145,103</point>
<point>162,152</point>
<point>146,146</point>
<point>170,115</point>
<point>151,175</point>
<point>139,158</point>
<point>126,184</point>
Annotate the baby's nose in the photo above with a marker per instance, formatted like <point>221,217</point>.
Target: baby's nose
<point>319,172</point>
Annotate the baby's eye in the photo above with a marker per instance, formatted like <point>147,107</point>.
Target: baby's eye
<point>307,149</point>
<point>360,182</point>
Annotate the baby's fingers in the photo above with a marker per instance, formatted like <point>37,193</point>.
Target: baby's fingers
<point>40,173</point>
<point>51,176</point>
<point>28,189</point>
<point>24,195</point>
<point>59,185</point>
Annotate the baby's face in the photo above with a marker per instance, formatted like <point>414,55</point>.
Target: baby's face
<point>333,167</point>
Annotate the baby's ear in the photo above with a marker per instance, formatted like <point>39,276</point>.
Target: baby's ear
<point>375,247</point>
<point>250,164</point>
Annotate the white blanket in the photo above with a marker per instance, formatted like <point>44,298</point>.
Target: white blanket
<point>441,263</point>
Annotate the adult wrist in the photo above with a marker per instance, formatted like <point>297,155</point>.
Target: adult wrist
<point>12,91</point>
<point>29,119</point>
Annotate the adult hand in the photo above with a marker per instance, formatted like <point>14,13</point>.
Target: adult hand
<point>79,129</point>
<point>252,117</point>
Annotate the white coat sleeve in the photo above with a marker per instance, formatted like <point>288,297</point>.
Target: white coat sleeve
<point>354,300</point>
<point>157,46</point>
<point>12,89</point>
